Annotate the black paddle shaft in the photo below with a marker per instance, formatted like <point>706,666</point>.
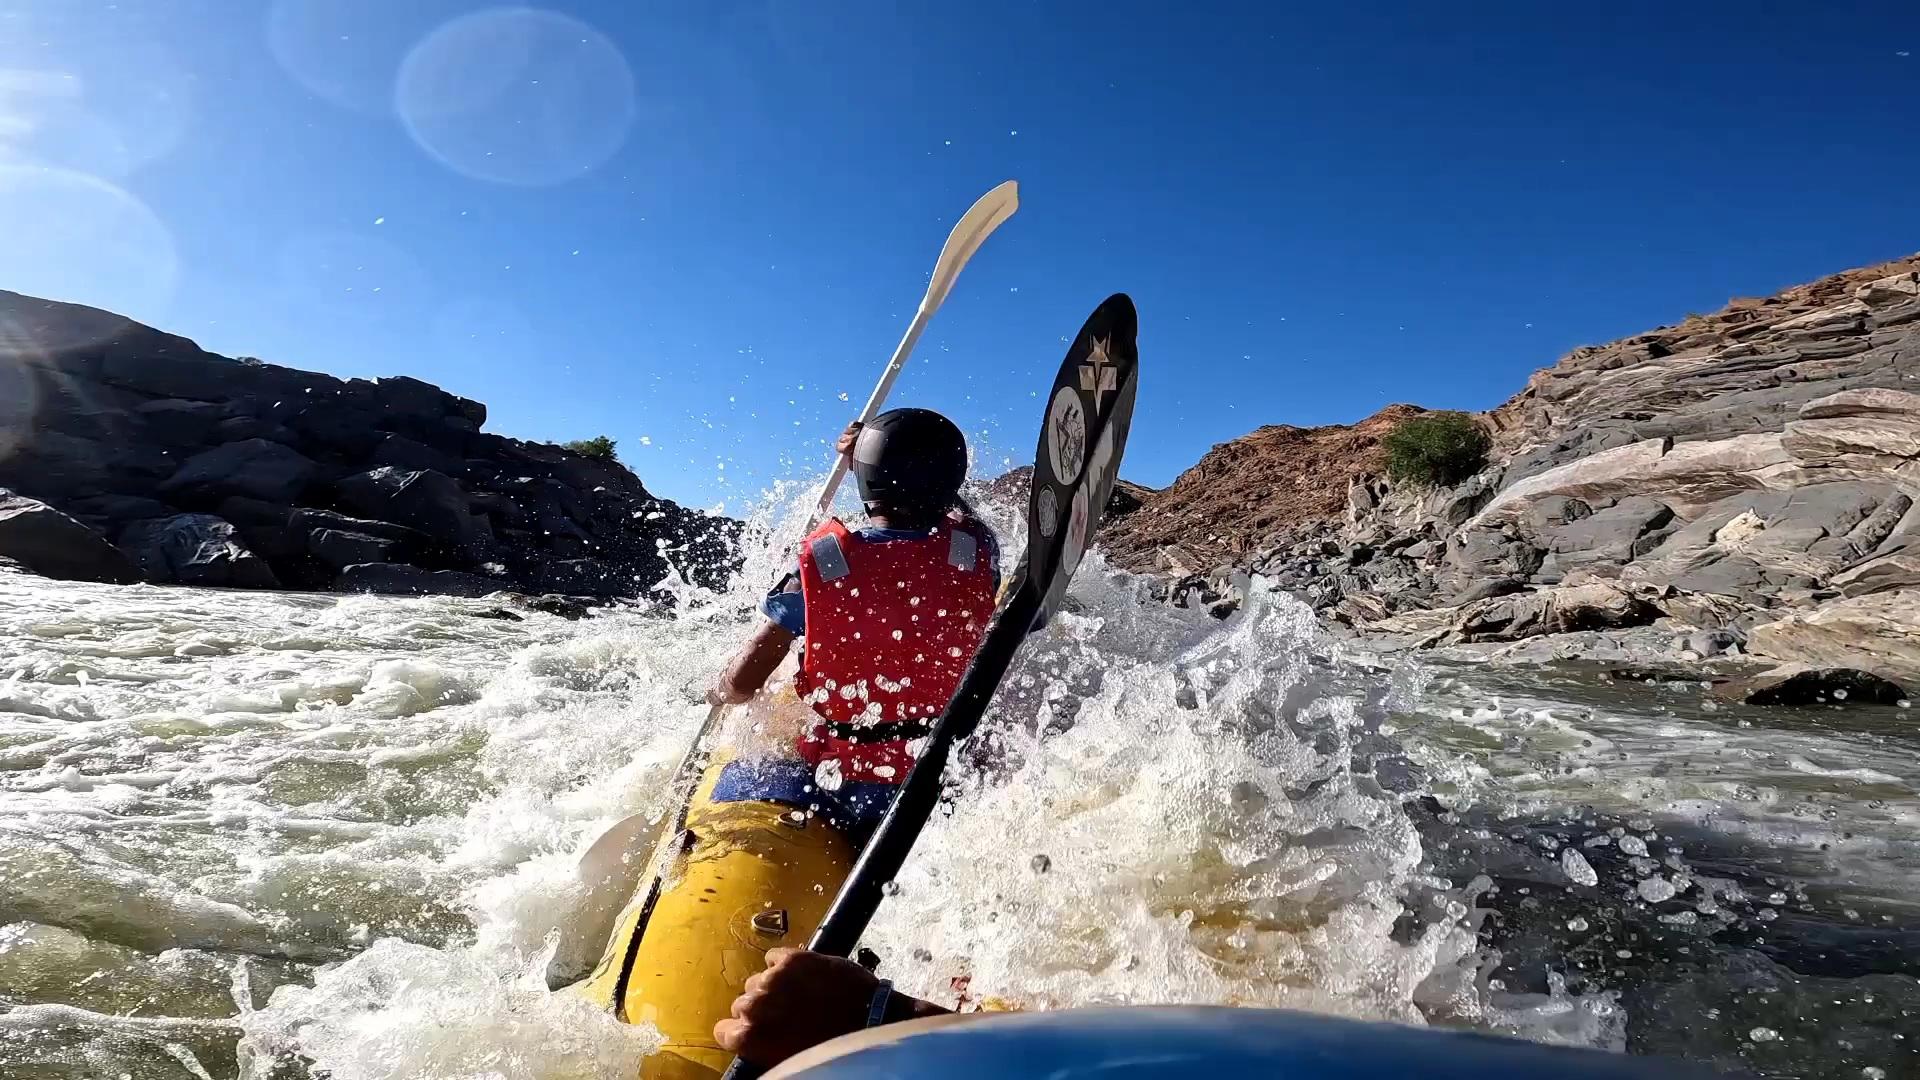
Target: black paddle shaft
<point>1075,466</point>
<point>893,841</point>
<point>887,852</point>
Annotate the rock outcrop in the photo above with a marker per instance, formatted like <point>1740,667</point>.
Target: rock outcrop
<point>1753,473</point>
<point>51,544</point>
<point>1878,634</point>
<point>133,454</point>
<point>1244,495</point>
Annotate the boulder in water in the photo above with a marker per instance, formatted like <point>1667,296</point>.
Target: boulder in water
<point>1879,633</point>
<point>195,549</point>
<point>1590,605</point>
<point>1801,684</point>
<point>51,544</point>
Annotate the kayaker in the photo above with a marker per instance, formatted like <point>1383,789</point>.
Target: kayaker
<point>890,615</point>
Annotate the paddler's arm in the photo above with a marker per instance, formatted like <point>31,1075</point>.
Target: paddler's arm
<point>804,999</point>
<point>760,657</point>
<point>753,665</point>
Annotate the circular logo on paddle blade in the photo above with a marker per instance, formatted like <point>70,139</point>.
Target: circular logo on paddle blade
<point>1066,435</point>
<point>1047,506</point>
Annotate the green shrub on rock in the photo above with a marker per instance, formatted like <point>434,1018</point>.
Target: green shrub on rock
<point>1436,449</point>
<point>597,447</point>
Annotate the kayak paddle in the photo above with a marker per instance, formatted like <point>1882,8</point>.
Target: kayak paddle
<point>608,864</point>
<point>1082,437</point>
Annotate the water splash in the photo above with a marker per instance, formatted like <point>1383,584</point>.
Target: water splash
<point>376,805</point>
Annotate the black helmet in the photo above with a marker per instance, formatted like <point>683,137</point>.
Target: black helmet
<point>910,460</point>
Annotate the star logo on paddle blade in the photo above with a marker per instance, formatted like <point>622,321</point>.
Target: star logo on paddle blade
<point>1099,376</point>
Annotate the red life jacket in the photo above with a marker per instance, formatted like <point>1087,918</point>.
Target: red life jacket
<point>891,627</point>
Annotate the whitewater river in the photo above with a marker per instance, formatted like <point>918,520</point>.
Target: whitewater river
<point>282,836</point>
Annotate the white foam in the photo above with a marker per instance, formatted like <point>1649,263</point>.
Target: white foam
<point>1800,764</point>
<point>400,1009</point>
<point>397,786</point>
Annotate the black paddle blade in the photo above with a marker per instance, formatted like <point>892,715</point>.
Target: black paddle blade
<point>1082,439</point>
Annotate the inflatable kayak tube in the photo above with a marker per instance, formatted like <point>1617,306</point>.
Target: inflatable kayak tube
<point>1161,1043</point>
<point>751,876</point>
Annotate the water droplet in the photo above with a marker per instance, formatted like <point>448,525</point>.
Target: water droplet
<point>828,775</point>
<point>1576,867</point>
<point>1654,890</point>
<point>1577,924</point>
<point>1763,1035</point>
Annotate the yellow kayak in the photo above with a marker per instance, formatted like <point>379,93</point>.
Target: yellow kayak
<point>749,876</point>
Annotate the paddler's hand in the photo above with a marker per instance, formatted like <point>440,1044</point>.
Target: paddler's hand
<point>844,446</point>
<point>724,693</point>
<point>801,1000</point>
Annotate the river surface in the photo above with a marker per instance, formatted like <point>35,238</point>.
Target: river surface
<point>272,835</point>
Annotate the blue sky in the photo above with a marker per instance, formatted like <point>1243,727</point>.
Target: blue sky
<point>693,226</point>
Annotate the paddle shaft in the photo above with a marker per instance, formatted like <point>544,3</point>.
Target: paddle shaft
<point>887,852</point>
<point>842,462</point>
<point>986,214</point>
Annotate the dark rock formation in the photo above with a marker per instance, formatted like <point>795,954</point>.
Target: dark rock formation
<point>51,544</point>
<point>256,468</point>
<point>195,549</point>
<point>208,470</point>
<point>404,580</point>
<point>1798,684</point>
<point>430,502</point>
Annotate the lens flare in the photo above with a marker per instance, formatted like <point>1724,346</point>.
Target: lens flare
<point>517,96</point>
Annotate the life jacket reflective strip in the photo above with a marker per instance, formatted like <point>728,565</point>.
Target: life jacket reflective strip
<point>891,627</point>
